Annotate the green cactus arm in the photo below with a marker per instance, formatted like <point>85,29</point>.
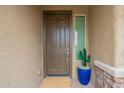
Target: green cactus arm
<point>84,57</point>
<point>81,55</point>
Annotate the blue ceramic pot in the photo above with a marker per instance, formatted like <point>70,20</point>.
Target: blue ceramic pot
<point>84,75</point>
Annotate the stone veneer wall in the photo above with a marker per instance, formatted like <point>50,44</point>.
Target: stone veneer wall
<point>108,76</point>
<point>105,80</point>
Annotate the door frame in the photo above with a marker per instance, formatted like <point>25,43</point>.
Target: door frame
<point>45,12</point>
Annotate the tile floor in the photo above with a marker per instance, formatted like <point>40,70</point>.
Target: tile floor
<point>62,82</point>
<point>56,82</point>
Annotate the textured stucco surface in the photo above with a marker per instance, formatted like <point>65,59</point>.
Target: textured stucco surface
<point>119,35</point>
<point>102,35</point>
<point>102,44</point>
<point>20,46</point>
<point>75,8</point>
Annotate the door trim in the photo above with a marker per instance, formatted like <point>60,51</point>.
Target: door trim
<point>45,12</point>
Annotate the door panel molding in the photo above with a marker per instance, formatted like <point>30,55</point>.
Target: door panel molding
<point>45,13</point>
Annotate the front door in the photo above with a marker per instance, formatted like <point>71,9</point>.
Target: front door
<point>57,43</point>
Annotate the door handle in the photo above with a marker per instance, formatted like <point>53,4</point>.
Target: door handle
<point>67,49</point>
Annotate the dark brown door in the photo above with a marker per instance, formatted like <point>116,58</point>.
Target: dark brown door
<point>57,43</point>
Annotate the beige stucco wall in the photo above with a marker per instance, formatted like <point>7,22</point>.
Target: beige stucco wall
<point>20,46</point>
<point>102,35</point>
<point>107,35</point>
<point>102,42</point>
<point>75,10</point>
<point>119,35</point>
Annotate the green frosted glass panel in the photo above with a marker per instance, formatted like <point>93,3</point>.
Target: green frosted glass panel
<point>80,35</point>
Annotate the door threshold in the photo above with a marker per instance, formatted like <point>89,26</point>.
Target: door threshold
<point>58,75</point>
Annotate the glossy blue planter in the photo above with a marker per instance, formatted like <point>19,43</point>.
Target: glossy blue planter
<point>84,75</point>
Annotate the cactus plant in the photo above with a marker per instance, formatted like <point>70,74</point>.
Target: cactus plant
<point>85,58</point>
<point>84,70</point>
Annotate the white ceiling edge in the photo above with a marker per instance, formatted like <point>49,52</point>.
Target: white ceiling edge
<point>62,2</point>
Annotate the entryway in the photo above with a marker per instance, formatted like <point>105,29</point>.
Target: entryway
<point>57,43</point>
<point>57,64</point>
